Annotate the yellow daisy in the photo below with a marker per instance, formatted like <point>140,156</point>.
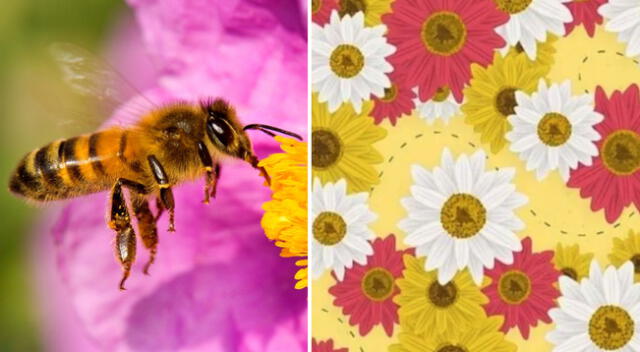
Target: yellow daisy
<point>342,146</point>
<point>372,9</point>
<point>627,250</point>
<point>545,56</point>
<point>483,336</point>
<point>285,217</point>
<point>570,262</point>
<point>490,97</point>
<point>427,307</point>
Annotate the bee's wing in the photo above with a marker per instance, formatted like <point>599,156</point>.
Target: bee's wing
<point>91,77</point>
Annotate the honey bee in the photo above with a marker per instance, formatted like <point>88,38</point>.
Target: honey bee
<point>166,146</point>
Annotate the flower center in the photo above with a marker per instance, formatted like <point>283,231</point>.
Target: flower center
<point>451,348</point>
<point>463,215</point>
<point>570,272</point>
<point>611,327</point>
<point>444,33</point>
<point>442,94</point>
<point>506,101</point>
<point>514,287</point>
<point>315,5</point>
<point>636,263</point>
<point>554,129</point>
<point>346,61</point>
<point>329,228</point>
<point>326,148</point>
<point>377,284</point>
<point>351,7</point>
<point>512,6</point>
<point>621,152</point>
<point>390,94</point>
<point>442,296</point>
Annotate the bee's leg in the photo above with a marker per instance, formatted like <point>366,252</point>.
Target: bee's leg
<point>166,194</point>
<point>160,208</point>
<point>146,227</point>
<point>212,173</point>
<point>120,221</point>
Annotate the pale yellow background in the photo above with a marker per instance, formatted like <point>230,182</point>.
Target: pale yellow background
<point>558,208</point>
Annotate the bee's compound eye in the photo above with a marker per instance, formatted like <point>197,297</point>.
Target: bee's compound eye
<point>219,132</point>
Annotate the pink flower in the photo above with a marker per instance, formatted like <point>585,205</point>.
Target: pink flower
<point>321,10</point>
<point>218,283</point>
<point>586,13</point>
<point>325,346</point>
<point>523,292</point>
<point>438,40</point>
<point>397,101</point>
<point>367,291</point>
<point>613,181</point>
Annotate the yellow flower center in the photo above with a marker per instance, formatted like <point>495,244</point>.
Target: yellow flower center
<point>506,101</point>
<point>621,152</point>
<point>442,296</point>
<point>351,7</point>
<point>570,272</point>
<point>442,93</point>
<point>463,215</point>
<point>451,348</point>
<point>377,284</point>
<point>444,33</point>
<point>390,94</point>
<point>329,228</point>
<point>636,263</point>
<point>315,5</point>
<point>611,327</point>
<point>513,6</point>
<point>554,129</point>
<point>326,148</point>
<point>514,287</point>
<point>346,61</point>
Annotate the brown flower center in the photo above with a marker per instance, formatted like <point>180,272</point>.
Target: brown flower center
<point>346,61</point>
<point>636,263</point>
<point>611,327</point>
<point>570,272</point>
<point>554,129</point>
<point>514,287</point>
<point>621,152</point>
<point>351,7</point>
<point>326,148</point>
<point>377,284</point>
<point>513,6</point>
<point>506,101</point>
<point>444,33</point>
<point>463,215</point>
<point>442,93</point>
<point>329,228</point>
<point>442,296</point>
<point>390,94</point>
<point>452,348</point>
<point>315,6</point>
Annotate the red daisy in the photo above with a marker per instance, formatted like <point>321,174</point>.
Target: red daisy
<point>524,291</point>
<point>584,12</point>
<point>325,346</point>
<point>397,101</point>
<point>437,40</point>
<point>367,291</point>
<point>612,181</point>
<point>321,10</point>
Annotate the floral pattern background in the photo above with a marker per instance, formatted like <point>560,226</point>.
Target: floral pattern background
<point>475,168</point>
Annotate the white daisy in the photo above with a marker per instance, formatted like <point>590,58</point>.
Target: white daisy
<point>623,17</point>
<point>443,105</point>
<point>348,61</point>
<point>554,130</point>
<point>530,20</point>
<point>601,313</point>
<point>461,216</point>
<point>340,228</point>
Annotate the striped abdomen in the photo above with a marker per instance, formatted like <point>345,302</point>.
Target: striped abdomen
<point>76,166</point>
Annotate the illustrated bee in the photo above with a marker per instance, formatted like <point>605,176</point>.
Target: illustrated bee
<point>166,146</point>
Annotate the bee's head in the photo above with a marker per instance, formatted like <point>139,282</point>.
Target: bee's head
<point>228,135</point>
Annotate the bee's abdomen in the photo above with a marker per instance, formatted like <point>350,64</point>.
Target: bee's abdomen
<point>65,168</point>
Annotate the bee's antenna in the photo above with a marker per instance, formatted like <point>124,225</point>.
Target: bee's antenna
<point>267,129</point>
